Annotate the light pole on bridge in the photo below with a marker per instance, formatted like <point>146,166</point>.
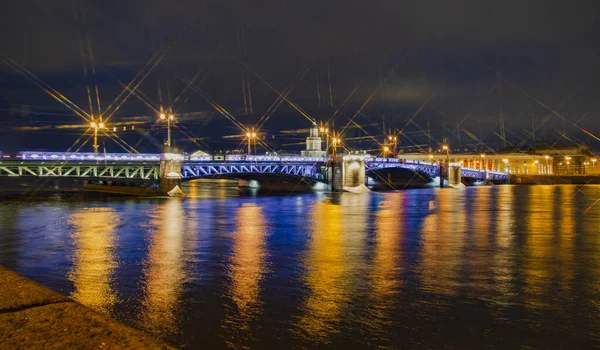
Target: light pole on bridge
<point>96,127</point>
<point>325,130</point>
<point>251,136</point>
<point>169,119</point>
<point>336,142</point>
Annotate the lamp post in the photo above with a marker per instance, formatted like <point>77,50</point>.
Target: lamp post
<point>594,160</point>
<point>335,142</point>
<point>325,130</point>
<point>447,149</point>
<point>251,137</point>
<point>547,169</point>
<point>169,119</point>
<point>386,149</point>
<point>568,159</point>
<point>96,127</point>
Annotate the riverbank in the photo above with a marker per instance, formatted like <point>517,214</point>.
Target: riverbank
<point>33,316</point>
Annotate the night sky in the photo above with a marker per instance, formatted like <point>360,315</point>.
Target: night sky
<point>431,68</point>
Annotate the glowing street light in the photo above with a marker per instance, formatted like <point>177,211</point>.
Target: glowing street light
<point>251,136</point>
<point>336,141</point>
<point>169,119</point>
<point>325,130</point>
<point>96,127</point>
<point>447,149</point>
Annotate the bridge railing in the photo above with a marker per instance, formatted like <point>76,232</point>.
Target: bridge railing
<point>206,169</point>
<point>86,156</point>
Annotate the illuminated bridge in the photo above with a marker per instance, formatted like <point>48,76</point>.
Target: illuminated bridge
<point>148,166</point>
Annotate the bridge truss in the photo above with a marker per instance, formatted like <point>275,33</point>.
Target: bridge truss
<point>85,170</point>
<point>204,169</point>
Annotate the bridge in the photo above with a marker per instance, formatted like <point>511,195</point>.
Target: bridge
<point>347,170</point>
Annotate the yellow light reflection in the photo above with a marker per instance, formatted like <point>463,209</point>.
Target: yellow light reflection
<point>164,273</point>
<point>326,272</point>
<point>94,263</point>
<point>549,244</point>
<point>246,268</point>
<point>504,266</point>
<point>385,275</point>
<point>443,242</point>
<point>477,262</point>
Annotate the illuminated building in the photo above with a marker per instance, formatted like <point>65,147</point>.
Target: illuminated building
<point>313,143</point>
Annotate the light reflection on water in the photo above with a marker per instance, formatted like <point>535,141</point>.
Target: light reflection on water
<point>498,266</point>
<point>163,269</point>
<point>94,261</point>
<point>245,271</point>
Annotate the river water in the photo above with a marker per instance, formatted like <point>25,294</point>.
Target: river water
<point>499,266</point>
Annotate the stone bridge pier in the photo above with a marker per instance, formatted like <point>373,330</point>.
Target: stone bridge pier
<point>347,171</point>
<point>170,171</point>
<point>454,174</point>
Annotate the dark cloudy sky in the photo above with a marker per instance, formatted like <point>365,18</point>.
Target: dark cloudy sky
<point>462,61</point>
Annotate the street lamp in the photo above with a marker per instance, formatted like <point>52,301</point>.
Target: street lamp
<point>170,118</point>
<point>447,149</point>
<point>336,141</point>
<point>251,136</point>
<point>386,149</point>
<point>594,165</point>
<point>325,130</point>
<point>568,159</point>
<point>547,169</point>
<point>96,127</point>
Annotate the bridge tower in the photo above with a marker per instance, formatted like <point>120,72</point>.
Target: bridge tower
<point>170,171</point>
<point>347,171</point>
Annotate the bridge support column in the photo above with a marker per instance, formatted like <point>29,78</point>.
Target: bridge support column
<point>347,171</point>
<point>170,171</point>
<point>454,176</point>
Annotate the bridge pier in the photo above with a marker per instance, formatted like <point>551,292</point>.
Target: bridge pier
<point>170,172</point>
<point>347,171</point>
<point>454,174</point>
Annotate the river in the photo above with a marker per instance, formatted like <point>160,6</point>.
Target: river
<point>501,266</point>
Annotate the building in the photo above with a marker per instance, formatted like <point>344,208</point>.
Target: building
<point>571,160</point>
<point>314,143</point>
<point>514,163</point>
<point>537,160</point>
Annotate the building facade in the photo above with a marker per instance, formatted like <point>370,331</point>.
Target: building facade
<point>314,143</point>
